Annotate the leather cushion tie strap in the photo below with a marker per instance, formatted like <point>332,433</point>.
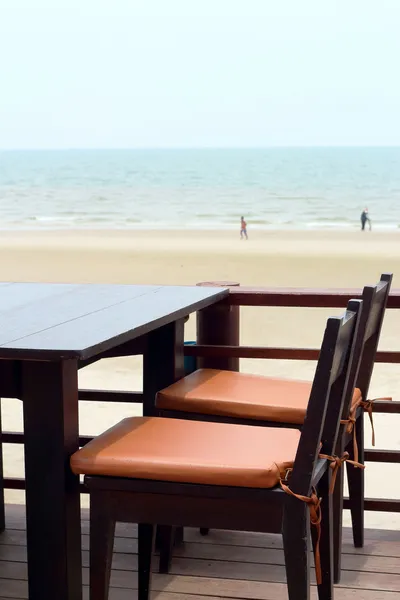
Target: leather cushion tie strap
<point>351,420</point>
<point>367,406</point>
<point>336,463</point>
<point>314,505</point>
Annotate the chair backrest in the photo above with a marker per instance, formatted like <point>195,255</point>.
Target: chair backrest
<point>376,300</point>
<point>329,387</point>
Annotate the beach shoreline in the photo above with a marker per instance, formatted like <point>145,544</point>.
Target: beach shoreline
<point>259,239</point>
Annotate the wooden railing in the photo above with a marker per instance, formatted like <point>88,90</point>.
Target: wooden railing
<point>219,325</point>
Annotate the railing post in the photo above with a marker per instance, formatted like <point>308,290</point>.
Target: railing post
<point>219,324</point>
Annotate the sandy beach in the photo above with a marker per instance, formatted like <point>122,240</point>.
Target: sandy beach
<point>296,259</point>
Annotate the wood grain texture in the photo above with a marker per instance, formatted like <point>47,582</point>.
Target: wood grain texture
<point>51,321</point>
<point>222,565</point>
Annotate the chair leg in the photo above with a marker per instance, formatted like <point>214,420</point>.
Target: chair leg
<point>355,478</point>
<point>2,509</point>
<point>296,534</point>
<point>204,531</point>
<point>165,539</point>
<point>337,519</point>
<point>337,522</point>
<point>102,530</point>
<point>326,545</point>
<point>145,554</point>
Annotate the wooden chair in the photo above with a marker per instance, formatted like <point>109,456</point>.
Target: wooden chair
<point>230,397</point>
<point>194,473</point>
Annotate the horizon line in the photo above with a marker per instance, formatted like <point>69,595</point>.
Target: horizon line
<point>160,148</point>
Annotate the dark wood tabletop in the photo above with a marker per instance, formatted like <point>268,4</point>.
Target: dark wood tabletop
<point>51,320</point>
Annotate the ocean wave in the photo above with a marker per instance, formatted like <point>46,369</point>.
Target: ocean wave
<point>208,222</point>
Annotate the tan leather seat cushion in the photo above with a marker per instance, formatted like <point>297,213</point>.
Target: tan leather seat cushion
<point>226,393</point>
<point>190,451</point>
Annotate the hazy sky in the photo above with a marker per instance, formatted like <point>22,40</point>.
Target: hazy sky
<point>163,73</point>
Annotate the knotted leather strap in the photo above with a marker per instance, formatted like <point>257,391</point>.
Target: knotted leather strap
<point>350,422</point>
<point>336,463</point>
<point>314,505</point>
<point>367,406</point>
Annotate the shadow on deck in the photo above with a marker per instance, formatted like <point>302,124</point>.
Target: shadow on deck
<point>222,565</point>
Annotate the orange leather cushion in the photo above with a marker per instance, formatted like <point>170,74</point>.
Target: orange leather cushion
<point>190,451</point>
<point>226,393</point>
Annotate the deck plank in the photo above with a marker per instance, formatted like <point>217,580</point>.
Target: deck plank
<point>231,565</point>
<point>125,556</point>
<point>224,589</point>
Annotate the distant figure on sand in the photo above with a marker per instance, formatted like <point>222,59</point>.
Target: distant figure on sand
<point>243,228</point>
<point>364,219</point>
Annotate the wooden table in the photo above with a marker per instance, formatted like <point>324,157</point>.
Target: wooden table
<point>47,332</point>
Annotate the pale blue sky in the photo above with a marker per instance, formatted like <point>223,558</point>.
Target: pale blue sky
<point>168,73</point>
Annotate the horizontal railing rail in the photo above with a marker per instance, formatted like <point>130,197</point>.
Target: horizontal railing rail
<point>110,396</point>
<point>299,297</point>
<point>265,352</point>
<point>260,297</point>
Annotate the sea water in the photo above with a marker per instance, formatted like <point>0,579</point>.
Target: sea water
<point>275,188</point>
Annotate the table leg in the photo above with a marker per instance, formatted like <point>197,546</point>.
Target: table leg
<point>50,396</point>
<point>2,511</point>
<point>163,364</point>
<point>9,388</point>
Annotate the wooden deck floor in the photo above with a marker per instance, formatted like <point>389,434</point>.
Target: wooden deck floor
<point>222,565</point>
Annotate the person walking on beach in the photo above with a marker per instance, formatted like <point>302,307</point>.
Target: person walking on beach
<point>243,228</point>
<point>364,219</point>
